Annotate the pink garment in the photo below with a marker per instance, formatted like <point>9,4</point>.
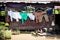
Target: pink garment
<point>38,16</point>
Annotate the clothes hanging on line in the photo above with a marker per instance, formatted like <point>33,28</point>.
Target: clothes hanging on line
<point>31,16</point>
<point>38,16</point>
<point>44,14</point>
<point>46,18</point>
<point>24,16</point>
<point>15,15</point>
<point>56,11</point>
<point>49,11</point>
<point>11,15</point>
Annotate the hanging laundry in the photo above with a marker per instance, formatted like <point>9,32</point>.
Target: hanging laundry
<point>15,15</point>
<point>56,11</point>
<point>49,11</point>
<point>24,16</point>
<point>10,13</point>
<point>38,15</point>
<point>31,16</point>
<point>46,17</point>
<point>44,14</point>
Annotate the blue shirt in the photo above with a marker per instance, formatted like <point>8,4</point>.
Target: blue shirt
<point>49,11</point>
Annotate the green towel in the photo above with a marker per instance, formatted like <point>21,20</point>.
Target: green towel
<point>24,16</point>
<point>56,11</point>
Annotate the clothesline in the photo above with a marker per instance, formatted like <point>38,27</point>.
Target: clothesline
<point>23,15</point>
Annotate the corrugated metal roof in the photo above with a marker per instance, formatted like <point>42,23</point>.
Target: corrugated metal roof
<point>29,1</point>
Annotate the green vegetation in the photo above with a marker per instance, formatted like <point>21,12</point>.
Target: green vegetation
<point>7,34</point>
<point>16,32</point>
<point>6,24</point>
<point>3,28</point>
<point>2,13</point>
<point>4,32</point>
<point>1,35</point>
<point>25,32</point>
<point>2,23</point>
